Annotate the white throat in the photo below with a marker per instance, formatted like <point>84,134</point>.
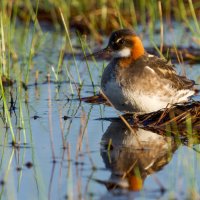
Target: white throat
<point>126,52</point>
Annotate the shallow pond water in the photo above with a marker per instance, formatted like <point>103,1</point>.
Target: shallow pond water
<point>67,152</point>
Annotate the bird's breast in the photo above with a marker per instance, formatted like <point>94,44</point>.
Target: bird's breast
<point>113,88</point>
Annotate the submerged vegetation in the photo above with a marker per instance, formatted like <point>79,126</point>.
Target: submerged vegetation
<point>44,82</point>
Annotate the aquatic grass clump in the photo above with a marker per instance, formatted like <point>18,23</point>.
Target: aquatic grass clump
<point>15,65</point>
<point>183,120</point>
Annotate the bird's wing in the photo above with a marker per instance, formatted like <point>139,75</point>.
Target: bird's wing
<point>166,71</point>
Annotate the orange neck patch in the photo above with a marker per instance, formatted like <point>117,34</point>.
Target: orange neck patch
<point>138,49</point>
<point>125,62</point>
<point>136,52</point>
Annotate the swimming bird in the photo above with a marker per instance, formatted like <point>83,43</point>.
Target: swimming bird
<point>136,81</point>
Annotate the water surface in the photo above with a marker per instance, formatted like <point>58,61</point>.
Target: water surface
<point>67,152</point>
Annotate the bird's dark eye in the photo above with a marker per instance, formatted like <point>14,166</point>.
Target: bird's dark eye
<point>122,41</point>
<point>118,43</point>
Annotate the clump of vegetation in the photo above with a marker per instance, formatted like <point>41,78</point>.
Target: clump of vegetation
<point>93,17</point>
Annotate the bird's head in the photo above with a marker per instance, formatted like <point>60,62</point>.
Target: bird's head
<point>123,43</point>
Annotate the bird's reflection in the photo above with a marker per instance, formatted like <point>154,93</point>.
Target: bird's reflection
<point>133,155</point>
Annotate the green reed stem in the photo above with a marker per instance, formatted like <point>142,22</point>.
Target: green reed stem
<point>119,16</point>
<point>31,52</point>
<point>2,46</point>
<point>194,16</point>
<point>61,56</point>
<point>7,113</point>
<point>133,14</point>
<point>87,64</point>
<point>22,124</point>
<point>70,79</point>
<point>71,47</point>
<point>184,15</point>
<point>6,176</point>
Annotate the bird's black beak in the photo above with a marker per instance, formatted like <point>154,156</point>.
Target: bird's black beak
<point>102,52</point>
